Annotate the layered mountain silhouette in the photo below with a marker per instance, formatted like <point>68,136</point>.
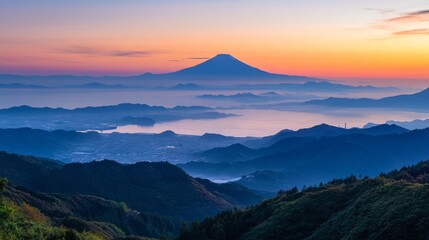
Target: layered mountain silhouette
<point>408,101</point>
<point>265,145</point>
<point>316,157</point>
<point>324,130</point>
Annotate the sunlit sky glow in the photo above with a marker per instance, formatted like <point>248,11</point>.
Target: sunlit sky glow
<point>354,39</point>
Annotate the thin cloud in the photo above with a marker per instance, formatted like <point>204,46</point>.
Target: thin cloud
<point>190,58</point>
<point>198,58</point>
<point>82,50</point>
<point>408,24</point>
<point>419,16</point>
<point>382,11</point>
<point>421,31</point>
<point>131,53</point>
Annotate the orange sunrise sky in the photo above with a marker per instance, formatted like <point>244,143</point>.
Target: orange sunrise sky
<point>385,39</point>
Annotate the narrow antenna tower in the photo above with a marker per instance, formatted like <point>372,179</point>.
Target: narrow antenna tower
<point>345,125</point>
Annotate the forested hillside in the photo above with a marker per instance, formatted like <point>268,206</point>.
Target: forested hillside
<point>157,188</point>
<point>26,222</point>
<point>391,206</point>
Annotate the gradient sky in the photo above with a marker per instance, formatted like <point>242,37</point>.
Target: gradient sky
<point>353,39</point>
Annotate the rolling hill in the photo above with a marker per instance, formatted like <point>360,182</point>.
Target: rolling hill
<point>103,217</point>
<point>158,188</point>
<point>26,222</point>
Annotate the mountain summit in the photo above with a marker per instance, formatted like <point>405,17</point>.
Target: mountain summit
<point>223,64</point>
<point>224,67</point>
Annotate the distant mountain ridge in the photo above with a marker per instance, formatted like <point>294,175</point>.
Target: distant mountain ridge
<point>245,97</point>
<point>318,159</point>
<point>96,83</point>
<point>325,130</point>
<point>407,101</point>
<point>270,144</point>
<point>123,107</point>
<point>288,139</point>
<point>20,86</point>
<point>412,125</point>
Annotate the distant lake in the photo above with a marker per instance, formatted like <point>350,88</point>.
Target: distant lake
<point>258,123</point>
<point>250,122</point>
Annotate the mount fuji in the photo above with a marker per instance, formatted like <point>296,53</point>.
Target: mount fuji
<point>224,67</point>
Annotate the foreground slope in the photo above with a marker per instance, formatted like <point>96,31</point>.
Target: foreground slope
<point>392,206</point>
<point>105,218</point>
<point>25,222</point>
